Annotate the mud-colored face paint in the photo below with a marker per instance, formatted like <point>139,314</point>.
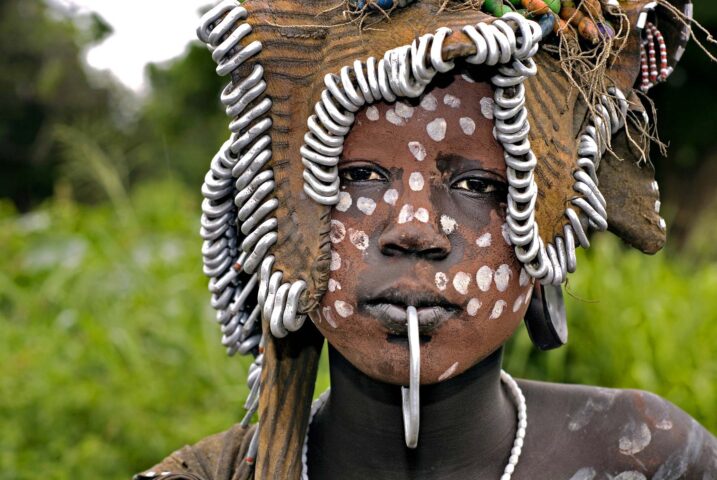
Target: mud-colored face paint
<point>421,218</point>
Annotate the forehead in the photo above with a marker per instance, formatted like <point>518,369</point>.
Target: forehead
<point>453,117</point>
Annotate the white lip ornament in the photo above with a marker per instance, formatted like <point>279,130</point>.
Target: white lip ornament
<point>410,396</point>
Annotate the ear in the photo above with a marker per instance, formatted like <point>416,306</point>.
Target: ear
<point>545,319</point>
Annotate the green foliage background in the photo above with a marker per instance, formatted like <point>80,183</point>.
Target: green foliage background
<point>110,356</point>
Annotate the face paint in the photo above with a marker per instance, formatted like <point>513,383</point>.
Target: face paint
<point>394,118</point>
<point>486,107</point>
<point>372,113</point>
<point>430,198</point>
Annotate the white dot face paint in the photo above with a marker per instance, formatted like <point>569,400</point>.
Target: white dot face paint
<point>366,205</point>
<point>345,202</point>
<point>390,196</point>
<point>662,224</point>
<point>586,473</point>
<point>344,309</point>
<point>484,240</point>
<point>359,239</point>
<point>429,103</point>
<point>329,316</point>
<point>504,230</point>
<point>403,110</point>
<point>473,306</point>
<point>335,261</point>
<point>334,285</point>
<point>448,224</point>
<point>421,215</point>
<point>417,150</point>
<point>484,277</point>
<point>518,303</point>
<point>448,372</point>
<point>630,475</point>
<point>502,277</point>
<point>498,309</point>
<point>634,438</point>
<point>664,425</point>
<point>468,126</point>
<point>337,232</point>
<point>394,118</point>
<point>523,278</point>
<point>658,204</point>
<point>406,213</point>
<point>461,282</point>
<point>437,129</point>
<point>486,107</point>
<point>415,181</point>
<point>441,281</point>
<point>467,78</point>
<point>372,113</point>
<point>451,101</point>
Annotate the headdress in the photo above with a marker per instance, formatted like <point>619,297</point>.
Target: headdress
<point>568,78</point>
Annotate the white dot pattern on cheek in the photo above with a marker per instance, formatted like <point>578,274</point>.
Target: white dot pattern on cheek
<point>473,306</point>
<point>461,282</point>
<point>429,103</point>
<point>468,126</point>
<point>437,129</point>
<point>345,202</point>
<point>406,213</point>
<point>393,118</point>
<point>328,316</point>
<point>523,278</point>
<point>415,181</point>
<point>344,309</point>
<point>441,281</point>
<point>421,215</point>
<point>335,261</point>
<point>366,205</point>
<point>390,196</point>
<point>502,277</point>
<point>486,107</point>
<point>448,224</point>
<point>484,240</point>
<point>451,100</point>
<point>504,232</point>
<point>517,304</point>
<point>359,239</point>
<point>337,232</point>
<point>372,113</point>
<point>403,110</point>
<point>417,150</point>
<point>498,309</point>
<point>334,285</point>
<point>484,277</point>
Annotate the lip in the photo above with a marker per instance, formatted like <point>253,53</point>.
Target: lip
<point>389,308</point>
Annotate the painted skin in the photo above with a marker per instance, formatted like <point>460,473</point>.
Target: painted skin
<point>421,222</point>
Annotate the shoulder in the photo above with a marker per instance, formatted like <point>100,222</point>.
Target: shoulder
<point>223,452</point>
<point>618,434</point>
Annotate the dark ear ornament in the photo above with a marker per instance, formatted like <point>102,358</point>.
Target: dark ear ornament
<point>545,319</point>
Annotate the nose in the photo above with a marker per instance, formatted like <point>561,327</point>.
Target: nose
<point>416,238</point>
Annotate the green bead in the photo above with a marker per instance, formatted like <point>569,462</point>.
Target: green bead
<point>554,5</point>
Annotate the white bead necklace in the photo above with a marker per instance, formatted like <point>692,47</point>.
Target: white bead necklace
<point>515,452</point>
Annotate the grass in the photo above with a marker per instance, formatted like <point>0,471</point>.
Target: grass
<point>111,359</point>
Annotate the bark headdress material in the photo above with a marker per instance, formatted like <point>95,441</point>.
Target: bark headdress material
<point>566,112</point>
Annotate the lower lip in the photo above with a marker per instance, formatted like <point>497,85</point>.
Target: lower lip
<point>393,317</point>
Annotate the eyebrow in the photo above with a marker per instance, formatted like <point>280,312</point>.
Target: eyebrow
<point>453,158</point>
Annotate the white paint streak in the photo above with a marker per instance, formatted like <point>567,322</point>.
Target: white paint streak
<point>344,309</point>
<point>441,280</point>
<point>415,181</point>
<point>451,100</point>
<point>630,475</point>
<point>421,215</point>
<point>390,196</point>
<point>358,238</point>
<point>598,404</point>
<point>337,232</point>
<point>502,277</point>
<point>467,78</point>
<point>372,113</point>
<point>518,303</point>
<point>429,103</point>
<point>417,150</point>
<point>345,202</point>
<point>329,317</point>
<point>467,125</point>
<point>448,372</point>
<point>662,224</point>
<point>335,261</point>
<point>484,277</point>
<point>437,129</point>
<point>334,285</point>
<point>448,224</point>
<point>404,110</point>
<point>498,309</point>
<point>504,230</point>
<point>393,118</point>
<point>484,240</point>
<point>406,213</point>
<point>664,425</point>
<point>586,473</point>
<point>366,205</point>
<point>473,306</point>
<point>461,282</point>
<point>657,206</point>
<point>634,438</point>
<point>486,107</point>
<point>523,278</point>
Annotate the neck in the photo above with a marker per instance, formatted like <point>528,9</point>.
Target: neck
<point>467,427</point>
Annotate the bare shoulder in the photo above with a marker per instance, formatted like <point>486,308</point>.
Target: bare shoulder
<point>601,433</point>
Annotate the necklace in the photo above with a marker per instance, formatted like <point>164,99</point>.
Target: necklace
<point>518,399</point>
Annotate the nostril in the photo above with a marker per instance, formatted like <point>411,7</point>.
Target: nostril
<point>406,240</point>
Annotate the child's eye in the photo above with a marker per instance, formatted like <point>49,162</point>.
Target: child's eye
<point>477,185</point>
<point>360,174</point>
